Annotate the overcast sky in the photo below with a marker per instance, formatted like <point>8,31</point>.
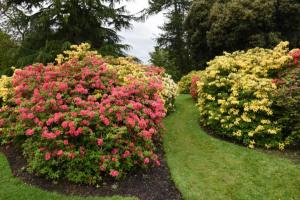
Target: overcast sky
<point>141,36</point>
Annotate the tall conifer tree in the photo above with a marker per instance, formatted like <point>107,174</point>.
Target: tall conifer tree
<point>173,39</point>
<point>46,27</point>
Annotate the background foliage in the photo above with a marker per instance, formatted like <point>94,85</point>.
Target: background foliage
<point>214,26</point>
<point>7,52</point>
<point>45,28</point>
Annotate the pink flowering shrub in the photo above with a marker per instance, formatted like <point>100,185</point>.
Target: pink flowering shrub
<point>287,100</point>
<point>127,70</point>
<point>194,88</point>
<point>75,120</point>
<point>296,56</point>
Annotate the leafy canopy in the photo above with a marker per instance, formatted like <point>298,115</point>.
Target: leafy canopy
<point>214,26</point>
<point>46,27</point>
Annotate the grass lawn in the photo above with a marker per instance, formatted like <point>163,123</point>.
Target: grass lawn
<point>12,188</point>
<point>204,167</point>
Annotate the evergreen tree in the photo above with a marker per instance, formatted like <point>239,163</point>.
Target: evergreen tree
<point>173,39</point>
<point>46,27</point>
<point>7,50</point>
<point>161,57</point>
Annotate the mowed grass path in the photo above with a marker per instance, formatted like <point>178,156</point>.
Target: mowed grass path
<point>204,167</point>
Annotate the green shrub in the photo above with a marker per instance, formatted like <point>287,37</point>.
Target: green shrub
<point>287,100</point>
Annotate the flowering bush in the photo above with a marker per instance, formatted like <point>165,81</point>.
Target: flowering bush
<point>295,53</point>
<point>169,91</point>
<point>6,90</point>
<point>80,121</point>
<point>185,82</point>
<point>8,128</point>
<point>236,95</point>
<point>7,112</point>
<point>287,100</point>
<point>127,69</point>
<point>194,88</point>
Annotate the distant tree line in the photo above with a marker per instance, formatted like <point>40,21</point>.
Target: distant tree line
<point>40,29</point>
<point>209,27</point>
<point>194,31</point>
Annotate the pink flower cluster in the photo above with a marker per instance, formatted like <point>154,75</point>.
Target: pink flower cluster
<point>296,56</point>
<point>135,109</point>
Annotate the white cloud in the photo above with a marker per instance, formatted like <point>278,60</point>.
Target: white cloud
<point>141,37</point>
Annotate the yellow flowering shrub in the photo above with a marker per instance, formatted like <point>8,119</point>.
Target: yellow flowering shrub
<point>169,91</point>
<point>185,82</point>
<point>126,68</point>
<point>6,90</point>
<point>76,52</point>
<point>235,95</point>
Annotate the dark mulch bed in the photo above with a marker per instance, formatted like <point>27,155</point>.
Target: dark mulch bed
<point>155,184</point>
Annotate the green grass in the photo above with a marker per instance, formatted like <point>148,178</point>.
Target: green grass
<point>12,188</point>
<point>204,167</point>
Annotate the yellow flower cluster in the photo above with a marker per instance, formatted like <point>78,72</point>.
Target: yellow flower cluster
<point>235,94</point>
<point>76,52</point>
<point>6,90</point>
<point>126,68</point>
<point>169,92</point>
